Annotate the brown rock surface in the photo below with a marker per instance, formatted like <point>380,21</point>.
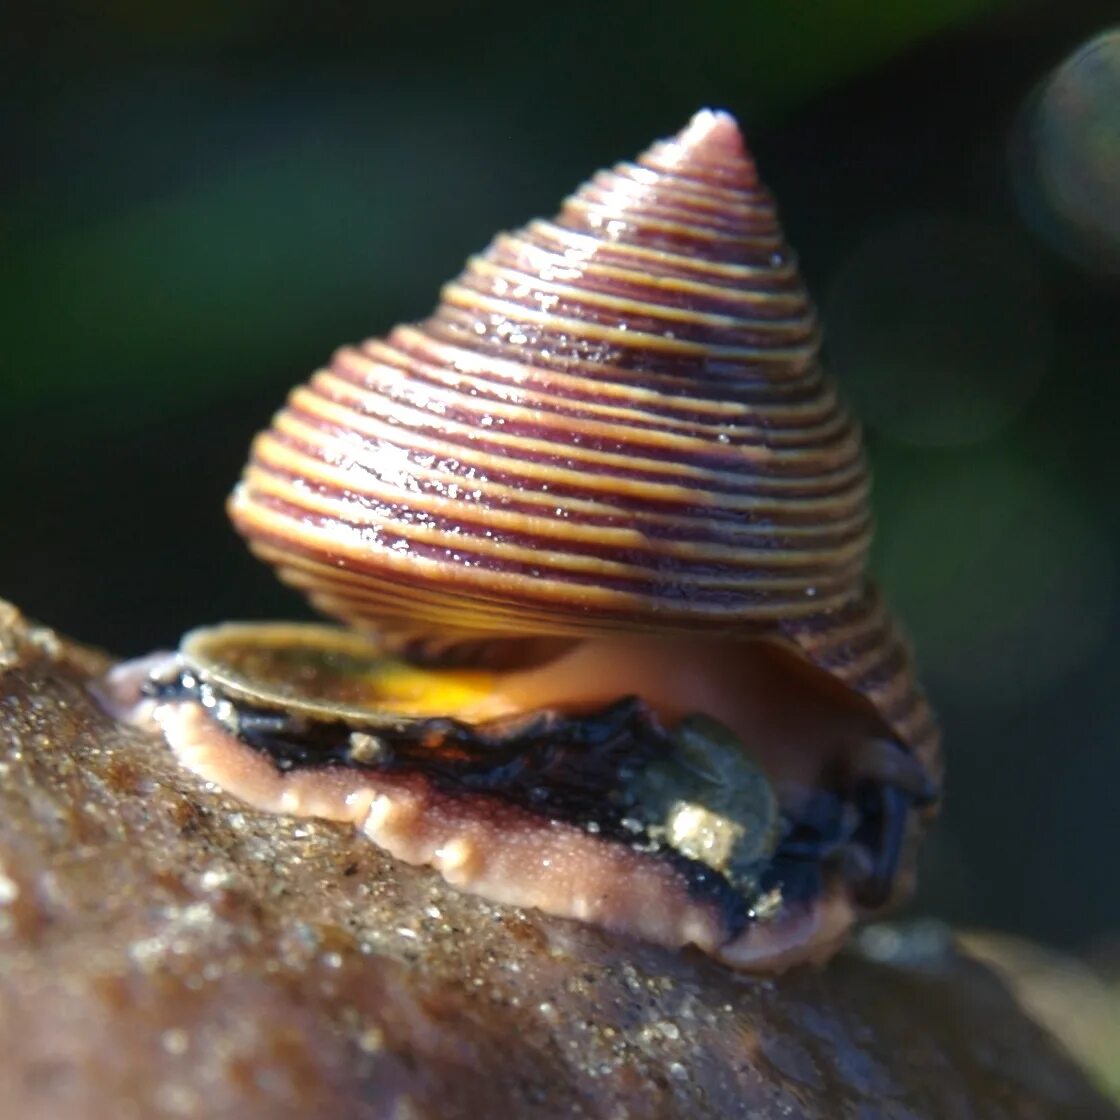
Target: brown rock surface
<point>165,952</point>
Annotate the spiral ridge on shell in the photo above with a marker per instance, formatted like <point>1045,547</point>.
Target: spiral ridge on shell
<point>614,420</point>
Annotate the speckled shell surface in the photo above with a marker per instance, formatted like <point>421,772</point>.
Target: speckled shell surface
<point>614,420</point>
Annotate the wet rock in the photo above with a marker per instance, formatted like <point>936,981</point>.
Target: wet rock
<point>165,952</point>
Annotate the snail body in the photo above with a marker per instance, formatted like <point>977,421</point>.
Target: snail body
<point>604,489</point>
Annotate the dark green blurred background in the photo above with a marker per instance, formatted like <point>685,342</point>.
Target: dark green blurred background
<point>199,200</point>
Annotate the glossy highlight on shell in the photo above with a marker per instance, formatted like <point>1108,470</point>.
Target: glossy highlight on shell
<point>613,417</point>
<point>601,526</point>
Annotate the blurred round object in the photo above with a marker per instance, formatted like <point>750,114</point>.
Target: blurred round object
<point>1007,584</point>
<point>939,330</point>
<point>1066,155</point>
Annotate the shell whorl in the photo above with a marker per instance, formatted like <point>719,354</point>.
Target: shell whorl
<point>613,420</point>
<point>616,417</point>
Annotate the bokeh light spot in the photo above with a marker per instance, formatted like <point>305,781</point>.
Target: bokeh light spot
<point>939,330</point>
<point>1066,155</point>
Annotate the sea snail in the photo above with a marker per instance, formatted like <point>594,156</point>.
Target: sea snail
<point>599,530</point>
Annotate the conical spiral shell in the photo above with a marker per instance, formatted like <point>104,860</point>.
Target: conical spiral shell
<point>613,420</point>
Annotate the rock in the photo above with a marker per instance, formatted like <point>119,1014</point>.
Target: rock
<point>165,952</point>
<point>1074,1000</point>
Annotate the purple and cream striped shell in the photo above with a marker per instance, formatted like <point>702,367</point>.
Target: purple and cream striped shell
<point>613,421</point>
